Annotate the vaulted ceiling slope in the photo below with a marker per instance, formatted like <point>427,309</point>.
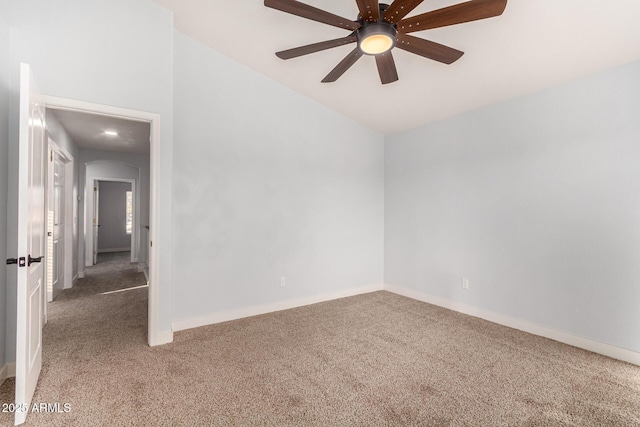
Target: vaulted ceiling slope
<point>533,45</point>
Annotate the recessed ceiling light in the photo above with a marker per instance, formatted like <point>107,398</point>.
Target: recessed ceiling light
<point>111,132</point>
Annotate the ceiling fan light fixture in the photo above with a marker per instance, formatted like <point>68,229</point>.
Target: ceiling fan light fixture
<point>376,38</point>
<point>377,31</point>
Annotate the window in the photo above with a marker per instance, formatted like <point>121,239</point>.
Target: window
<point>129,212</point>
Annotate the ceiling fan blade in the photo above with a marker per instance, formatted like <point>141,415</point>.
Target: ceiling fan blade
<point>315,47</point>
<point>343,66</point>
<point>305,11</point>
<point>386,68</point>
<point>457,14</point>
<point>428,49</point>
<point>369,10</point>
<point>399,9</point>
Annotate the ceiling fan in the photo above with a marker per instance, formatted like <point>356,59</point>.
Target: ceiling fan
<point>381,27</point>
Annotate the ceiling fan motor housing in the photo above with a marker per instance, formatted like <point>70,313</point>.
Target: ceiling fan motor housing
<point>376,37</point>
<point>381,31</point>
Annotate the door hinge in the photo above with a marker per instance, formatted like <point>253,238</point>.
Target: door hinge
<point>51,157</point>
<point>21,262</point>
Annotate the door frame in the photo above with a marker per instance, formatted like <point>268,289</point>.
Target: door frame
<point>94,222</point>
<point>153,335</point>
<point>134,195</point>
<point>57,149</point>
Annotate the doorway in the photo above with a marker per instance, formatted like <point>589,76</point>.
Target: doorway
<point>114,218</point>
<point>150,242</point>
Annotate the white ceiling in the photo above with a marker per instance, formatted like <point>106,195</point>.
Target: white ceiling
<point>88,131</point>
<point>533,45</point>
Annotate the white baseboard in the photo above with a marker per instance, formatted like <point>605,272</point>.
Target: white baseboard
<point>81,274</point>
<point>107,250</point>
<point>255,310</point>
<point>161,338</point>
<point>563,337</point>
<point>7,371</point>
<point>73,280</point>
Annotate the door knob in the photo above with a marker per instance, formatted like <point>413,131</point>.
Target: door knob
<point>19,261</point>
<point>33,260</point>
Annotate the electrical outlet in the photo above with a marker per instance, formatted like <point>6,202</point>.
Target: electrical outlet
<point>465,283</point>
<point>283,281</point>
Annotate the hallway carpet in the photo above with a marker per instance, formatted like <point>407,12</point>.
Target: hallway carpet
<point>377,359</point>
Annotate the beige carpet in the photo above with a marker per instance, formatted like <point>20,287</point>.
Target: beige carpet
<point>372,360</point>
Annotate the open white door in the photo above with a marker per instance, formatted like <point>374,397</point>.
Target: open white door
<point>96,219</point>
<point>31,226</point>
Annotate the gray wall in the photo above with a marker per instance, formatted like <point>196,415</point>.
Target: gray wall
<point>536,201</point>
<point>112,216</point>
<point>60,135</point>
<point>77,50</point>
<point>4,138</point>
<point>267,183</point>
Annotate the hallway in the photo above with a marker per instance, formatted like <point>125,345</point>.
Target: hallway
<point>89,329</point>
